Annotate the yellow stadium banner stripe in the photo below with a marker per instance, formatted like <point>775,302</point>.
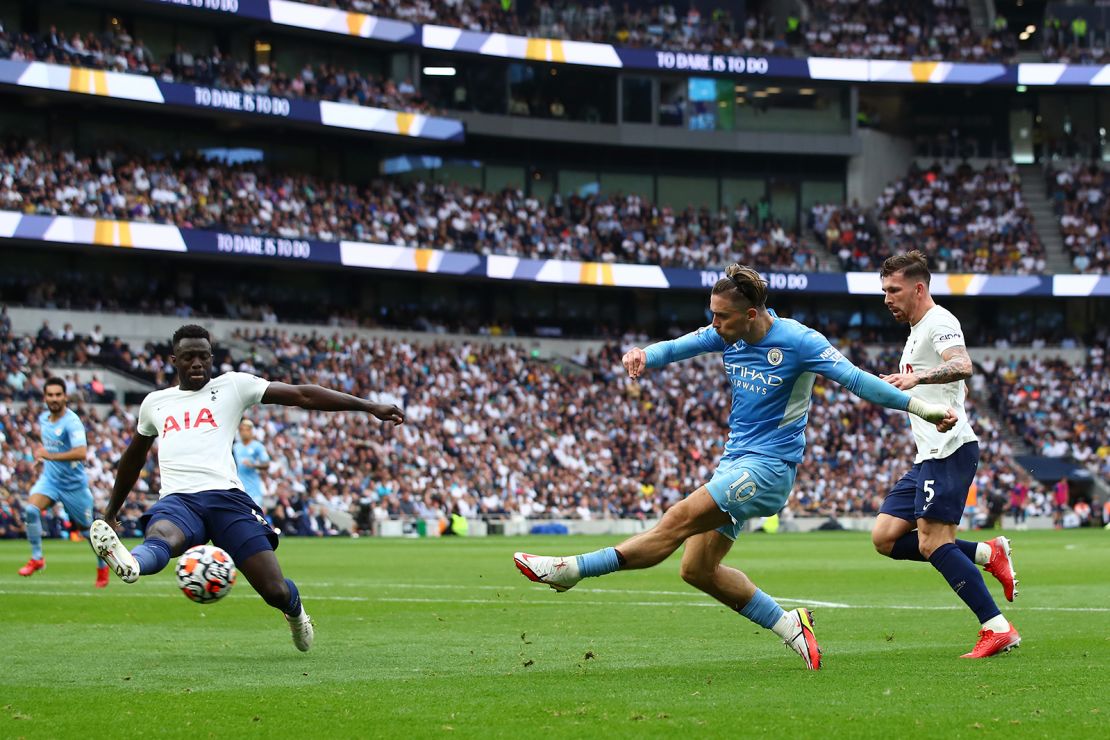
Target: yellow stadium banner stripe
<point>922,71</point>
<point>959,284</point>
<point>536,49</point>
<point>355,22</point>
<point>112,233</point>
<point>100,82</point>
<point>424,259</point>
<point>556,51</point>
<point>404,123</point>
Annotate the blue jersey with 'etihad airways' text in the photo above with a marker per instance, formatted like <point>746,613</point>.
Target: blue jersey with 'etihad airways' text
<point>772,381</point>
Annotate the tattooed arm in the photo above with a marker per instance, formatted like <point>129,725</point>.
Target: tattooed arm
<point>956,366</point>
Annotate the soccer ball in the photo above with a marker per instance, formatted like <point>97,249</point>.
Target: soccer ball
<point>205,573</point>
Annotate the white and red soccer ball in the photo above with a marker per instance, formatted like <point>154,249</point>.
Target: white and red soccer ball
<point>205,573</point>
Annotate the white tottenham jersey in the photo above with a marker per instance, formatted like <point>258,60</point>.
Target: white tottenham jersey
<point>937,331</point>
<point>196,430</point>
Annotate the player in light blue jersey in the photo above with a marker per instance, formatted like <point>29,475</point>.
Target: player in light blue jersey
<point>771,364</point>
<point>250,457</point>
<point>62,454</point>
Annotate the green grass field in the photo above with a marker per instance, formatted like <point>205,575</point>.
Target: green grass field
<point>445,638</point>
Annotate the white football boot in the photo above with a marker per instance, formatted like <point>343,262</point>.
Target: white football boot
<point>804,642</point>
<point>559,573</point>
<point>303,629</point>
<point>105,543</point>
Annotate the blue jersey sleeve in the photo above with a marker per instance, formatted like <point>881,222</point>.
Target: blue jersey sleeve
<point>695,343</point>
<point>825,360</point>
<point>75,430</point>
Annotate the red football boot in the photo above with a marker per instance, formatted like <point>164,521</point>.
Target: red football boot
<point>1001,566</point>
<point>102,577</point>
<point>32,566</point>
<point>993,643</point>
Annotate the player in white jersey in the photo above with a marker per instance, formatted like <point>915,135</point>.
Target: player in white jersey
<point>919,515</point>
<point>202,497</point>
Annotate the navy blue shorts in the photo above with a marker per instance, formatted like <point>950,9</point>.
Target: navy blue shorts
<point>935,489</point>
<point>229,518</point>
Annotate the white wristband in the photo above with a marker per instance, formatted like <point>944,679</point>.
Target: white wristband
<point>931,412</point>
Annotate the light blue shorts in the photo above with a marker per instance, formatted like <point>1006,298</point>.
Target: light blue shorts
<point>78,502</point>
<point>749,486</point>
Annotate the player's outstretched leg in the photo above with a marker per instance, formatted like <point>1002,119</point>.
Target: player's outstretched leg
<point>106,544</point>
<point>32,519</point>
<point>263,572</point>
<point>693,515</point>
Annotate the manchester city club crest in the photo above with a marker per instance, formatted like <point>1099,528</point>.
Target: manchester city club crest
<point>774,356</point>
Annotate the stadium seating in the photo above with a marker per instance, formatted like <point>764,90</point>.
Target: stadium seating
<point>117,51</point>
<point>494,433</point>
<point>936,30</point>
<point>200,193</point>
<point>1079,193</point>
<point>1059,408</point>
<point>966,220</point>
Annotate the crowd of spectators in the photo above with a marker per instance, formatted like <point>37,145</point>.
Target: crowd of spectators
<point>965,220</point>
<point>194,192</point>
<point>1079,193</point>
<point>118,51</point>
<point>1060,408</point>
<point>903,29</point>
<point>494,433</point>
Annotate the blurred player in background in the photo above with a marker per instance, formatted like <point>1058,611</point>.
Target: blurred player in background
<point>771,364</point>
<point>250,458</point>
<point>62,454</point>
<point>202,497</point>
<point>919,516</point>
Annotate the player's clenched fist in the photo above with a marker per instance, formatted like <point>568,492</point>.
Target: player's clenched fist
<point>635,361</point>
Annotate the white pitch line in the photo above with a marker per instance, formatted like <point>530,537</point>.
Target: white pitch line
<point>577,602</point>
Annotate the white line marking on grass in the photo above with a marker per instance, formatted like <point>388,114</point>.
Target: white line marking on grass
<point>565,601</point>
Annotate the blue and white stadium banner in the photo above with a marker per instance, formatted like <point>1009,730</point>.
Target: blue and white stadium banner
<point>444,38</point>
<point>121,86</point>
<point>41,231</point>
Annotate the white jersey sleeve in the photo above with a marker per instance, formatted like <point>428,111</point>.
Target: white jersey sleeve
<point>249,388</point>
<point>147,427</point>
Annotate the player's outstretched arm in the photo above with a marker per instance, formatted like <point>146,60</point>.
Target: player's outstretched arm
<point>127,472</point>
<point>695,343</point>
<point>956,366</point>
<point>318,398</point>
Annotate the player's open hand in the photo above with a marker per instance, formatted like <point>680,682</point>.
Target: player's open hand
<point>901,381</point>
<point>39,453</point>
<point>388,412</point>
<point>948,422</point>
<point>635,362</point>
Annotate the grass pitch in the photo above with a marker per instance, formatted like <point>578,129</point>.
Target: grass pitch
<point>420,638</point>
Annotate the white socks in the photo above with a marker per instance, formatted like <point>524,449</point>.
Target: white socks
<point>982,553</point>
<point>997,624</point>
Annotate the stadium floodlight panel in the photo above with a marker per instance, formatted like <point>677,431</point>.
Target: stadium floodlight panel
<point>439,71</point>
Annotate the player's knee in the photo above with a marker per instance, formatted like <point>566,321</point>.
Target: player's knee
<point>927,547</point>
<point>695,574</point>
<point>883,544</point>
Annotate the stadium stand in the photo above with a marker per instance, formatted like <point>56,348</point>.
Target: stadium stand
<point>194,192</point>
<point>118,51</point>
<point>498,434</point>
<point>1079,197</point>
<point>965,220</point>
<point>934,30</point>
